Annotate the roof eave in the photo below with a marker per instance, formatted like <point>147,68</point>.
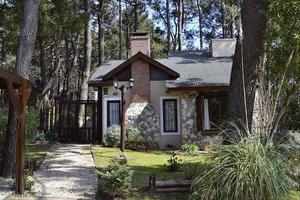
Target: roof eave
<point>142,56</point>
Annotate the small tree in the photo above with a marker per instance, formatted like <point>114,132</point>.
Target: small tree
<point>116,178</point>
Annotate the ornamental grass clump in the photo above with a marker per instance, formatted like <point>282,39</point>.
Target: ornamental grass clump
<point>246,169</point>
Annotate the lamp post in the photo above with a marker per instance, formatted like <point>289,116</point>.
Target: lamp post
<point>123,90</point>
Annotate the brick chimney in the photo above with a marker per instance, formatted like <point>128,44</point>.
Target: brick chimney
<point>140,42</point>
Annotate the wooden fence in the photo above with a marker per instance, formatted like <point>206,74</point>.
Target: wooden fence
<point>62,118</point>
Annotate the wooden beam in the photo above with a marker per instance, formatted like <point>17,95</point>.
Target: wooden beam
<point>15,99</point>
<point>100,84</point>
<point>6,75</point>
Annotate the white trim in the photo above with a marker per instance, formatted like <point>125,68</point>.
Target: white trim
<point>161,115</point>
<point>206,115</point>
<point>104,113</point>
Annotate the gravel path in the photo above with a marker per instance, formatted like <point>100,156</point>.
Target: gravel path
<point>6,187</point>
<point>68,172</point>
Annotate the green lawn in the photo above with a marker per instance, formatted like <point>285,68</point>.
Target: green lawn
<point>37,152</point>
<point>143,163</point>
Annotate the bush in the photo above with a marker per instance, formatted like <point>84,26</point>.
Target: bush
<point>190,149</point>
<point>116,178</point>
<point>137,145</point>
<point>112,136</point>
<point>29,183</point>
<point>134,133</point>
<point>174,163</point>
<point>245,169</point>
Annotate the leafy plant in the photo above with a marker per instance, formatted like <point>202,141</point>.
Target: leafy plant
<point>134,133</point>
<point>245,169</point>
<point>174,163</point>
<point>190,149</point>
<point>112,136</point>
<point>116,178</point>
<point>28,183</point>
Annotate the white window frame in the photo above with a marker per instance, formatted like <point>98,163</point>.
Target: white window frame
<point>104,108</point>
<point>161,115</point>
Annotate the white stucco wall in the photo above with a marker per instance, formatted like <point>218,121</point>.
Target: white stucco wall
<point>157,89</point>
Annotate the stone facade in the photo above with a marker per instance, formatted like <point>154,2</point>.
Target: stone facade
<point>147,120</point>
<point>190,134</point>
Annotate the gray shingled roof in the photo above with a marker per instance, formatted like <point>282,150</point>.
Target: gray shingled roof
<point>196,69</point>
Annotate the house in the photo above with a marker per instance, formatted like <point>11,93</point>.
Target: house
<point>174,100</point>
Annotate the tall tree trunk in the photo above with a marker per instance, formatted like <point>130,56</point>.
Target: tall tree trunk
<point>200,17</point>
<point>180,24</point>
<point>87,61</point>
<point>42,64</point>
<point>246,61</point>
<point>168,24</point>
<point>101,32</point>
<point>2,51</point>
<point>136,16</point>
<point>223,18</point>
<point>22,68</point>
<point>120,29</point>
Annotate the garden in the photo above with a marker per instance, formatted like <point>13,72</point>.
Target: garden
<point>247,168</point>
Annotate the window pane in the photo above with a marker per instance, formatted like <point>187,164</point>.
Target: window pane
<point>217,111</point>
<point>113,113</point>
<point>170,115</point>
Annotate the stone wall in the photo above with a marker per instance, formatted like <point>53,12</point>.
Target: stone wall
<point>147,120</point>
<point>190,134</point>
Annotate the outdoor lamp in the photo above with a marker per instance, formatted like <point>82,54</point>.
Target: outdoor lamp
<point>131,82</point>
<point>115,84</point>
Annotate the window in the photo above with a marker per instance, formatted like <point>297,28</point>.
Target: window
<point>217,111</point>
<point>105,91</point>
<point>211,111</point>
<point>113,113</point>
<point>169,115</point>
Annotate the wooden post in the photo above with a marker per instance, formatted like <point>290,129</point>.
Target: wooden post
<point>99,115</point>
<point>24,93</point>
<point>19,102</point>
<point>123,128</point>
<point>19,92</point>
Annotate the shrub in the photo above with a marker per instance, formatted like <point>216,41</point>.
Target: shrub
<point>245,169</point>
<point>134,133</point>
<point>174,163</point>
<point>112,136</point>
<point>29,183</point>
<point>137,145</point>
<point>190,149</point>
<point>116,178</point>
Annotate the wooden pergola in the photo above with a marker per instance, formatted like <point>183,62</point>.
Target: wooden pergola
<point>19,91</point>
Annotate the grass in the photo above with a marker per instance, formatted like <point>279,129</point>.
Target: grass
<point>37,152</point>
<point>145,164</point>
